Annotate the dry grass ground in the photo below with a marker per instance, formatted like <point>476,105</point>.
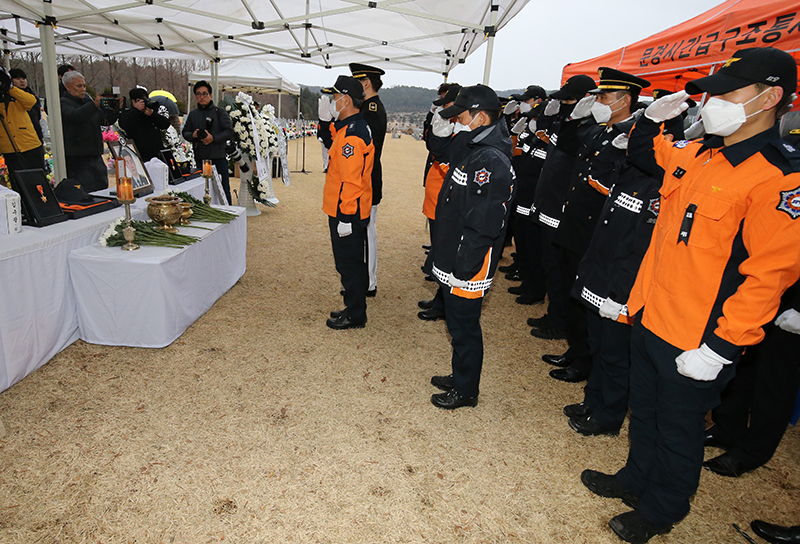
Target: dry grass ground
<point>261,425</point>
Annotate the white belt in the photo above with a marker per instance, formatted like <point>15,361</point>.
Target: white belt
<point>522,210</point>
<point>472,286</point>
<point>549,221</point>
<point>629,203</point>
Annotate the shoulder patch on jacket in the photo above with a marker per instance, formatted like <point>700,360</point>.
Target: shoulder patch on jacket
<point>482,176</point>
<point>790,203</point>
<point>681,144</point>
<point>347,151</point>
<point>373,106</point>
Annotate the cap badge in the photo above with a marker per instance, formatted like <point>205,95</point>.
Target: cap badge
<point>730,61</point>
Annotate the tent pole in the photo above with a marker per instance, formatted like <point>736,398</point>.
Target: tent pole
<point>49,65</point>
<point>215,81</point>
<point>487,67</point>
<point>279,103</point>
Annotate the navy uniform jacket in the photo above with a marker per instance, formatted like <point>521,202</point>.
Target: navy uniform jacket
<point>375,115</point>
<point>599,149</point>
<point>621,238</point>
<point>472,212</point>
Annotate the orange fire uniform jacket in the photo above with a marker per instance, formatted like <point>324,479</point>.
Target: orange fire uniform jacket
<point>347,194</point>
<point>726,244</point>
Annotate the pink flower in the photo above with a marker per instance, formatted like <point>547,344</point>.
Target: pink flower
<point>110,136</point>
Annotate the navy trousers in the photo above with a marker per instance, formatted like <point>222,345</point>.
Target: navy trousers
<point>350,256</point>
<point>463,317</point>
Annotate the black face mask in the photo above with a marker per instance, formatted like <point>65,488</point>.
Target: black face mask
<point>566,110</point>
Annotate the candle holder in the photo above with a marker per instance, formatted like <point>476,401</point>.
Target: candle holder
<point>125,197</point>
<point>207,176</point>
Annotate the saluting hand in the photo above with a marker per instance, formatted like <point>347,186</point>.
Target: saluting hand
<point>667,107</point>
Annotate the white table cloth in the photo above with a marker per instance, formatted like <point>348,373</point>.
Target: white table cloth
<point>149,297</point>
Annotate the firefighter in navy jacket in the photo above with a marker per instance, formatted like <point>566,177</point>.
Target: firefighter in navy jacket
<point>472,217</point>
<point>347,199</point>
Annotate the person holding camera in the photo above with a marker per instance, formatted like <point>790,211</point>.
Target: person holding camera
<point>209,128</point>
<point>19,143</point>
<point>82,118</point>
<point>143,123</point>
<point>20,80</point>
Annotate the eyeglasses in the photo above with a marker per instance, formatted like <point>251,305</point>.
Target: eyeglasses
<point>202,94</point>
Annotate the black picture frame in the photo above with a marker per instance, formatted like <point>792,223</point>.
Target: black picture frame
<point>173,167</point>
<point>40,206</point>
<point>140,178</point>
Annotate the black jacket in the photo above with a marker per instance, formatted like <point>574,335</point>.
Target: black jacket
<point>528,165</point>
<point>375,115</point>
<point>472,212</point>
<point>621,238</point>
<point>144,130</point>
<point>82,121</point>
<point>220,128</point>
<point>598,156</point>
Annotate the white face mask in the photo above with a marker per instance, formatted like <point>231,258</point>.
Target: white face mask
<point>524,107</point>
<point>336,112</point>
<point>460,127</point>
<point>723,118</point>
<point>602,112</point>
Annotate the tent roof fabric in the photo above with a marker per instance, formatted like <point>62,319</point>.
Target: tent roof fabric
<point>248,75</point>
<point>692,49</point>
<point>429,35</point>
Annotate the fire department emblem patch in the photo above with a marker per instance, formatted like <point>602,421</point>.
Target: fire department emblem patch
<point>790,203</point>
<point>681,144</point>
<point>482,176</point>
<point>653,207</point>
<point>347,151</point>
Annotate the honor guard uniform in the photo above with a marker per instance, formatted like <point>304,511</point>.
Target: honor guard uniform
<point>529,156</point>
<point>375,115</point>
<point>723,252</point>
<point>472,216</point>
<point>551,190</point>
<point>347,199</point>
<point>599,145</point>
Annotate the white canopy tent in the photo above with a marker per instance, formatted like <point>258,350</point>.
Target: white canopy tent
<point>248,75</point>
<point>428,35</point>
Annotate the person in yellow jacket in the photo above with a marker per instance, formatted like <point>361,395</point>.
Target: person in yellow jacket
<point>347,199</point>
<point>19,142</point>
<point>723,251</point>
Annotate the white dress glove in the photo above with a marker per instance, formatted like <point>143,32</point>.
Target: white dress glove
<point>532,126</point>
<point>584,107</point>
<point>324,109</point>
<point>695,131</point>
<point>344,229</point>
<point>610,309</point>
<point>667,107</point>
<point>552,107</point>
<point>702,364</point>
<point>455,282</point>
<point>789,321</point>
<point>441,127</point>
<point>519,126</point>
<point>511,107</point>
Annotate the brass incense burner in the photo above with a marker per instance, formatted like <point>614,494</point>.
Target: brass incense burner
<point>165,211</point>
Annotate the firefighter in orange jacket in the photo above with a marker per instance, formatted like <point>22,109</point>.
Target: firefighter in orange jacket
<point>723,251</point>
<point>347,199</point>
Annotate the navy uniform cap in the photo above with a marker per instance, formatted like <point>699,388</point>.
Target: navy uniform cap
<point>449,96</point>
<point>765,65</point>
<point>476,97</point>
<point>532,91</point>
<point>345,85</point>
<point>616,80</point>
<point>575,88</point>
<point>360,71</point>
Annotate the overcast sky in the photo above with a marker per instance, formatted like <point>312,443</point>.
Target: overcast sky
<point>534,47</point>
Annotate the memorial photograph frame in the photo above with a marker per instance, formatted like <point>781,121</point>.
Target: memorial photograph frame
<point>140,177</point>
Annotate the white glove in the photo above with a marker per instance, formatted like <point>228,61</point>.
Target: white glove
<point>621,141</point>
<point>702,364</point>
<point>441,127</point>
<point>455,282</point>
<point>519,126</point>
<point>789,321</point>
<point>610,309</point>
<point>667,107</point>
<point>695,131</point>
<point>511,107</point>
<point>532,126</point>
<point>552,107</point>
<point>324,109</point>
<point>434,108</point>
<point>584,107</point>
<point>344,229</point>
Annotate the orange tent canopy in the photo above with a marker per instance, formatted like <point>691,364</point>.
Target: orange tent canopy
<point>698,47</point>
